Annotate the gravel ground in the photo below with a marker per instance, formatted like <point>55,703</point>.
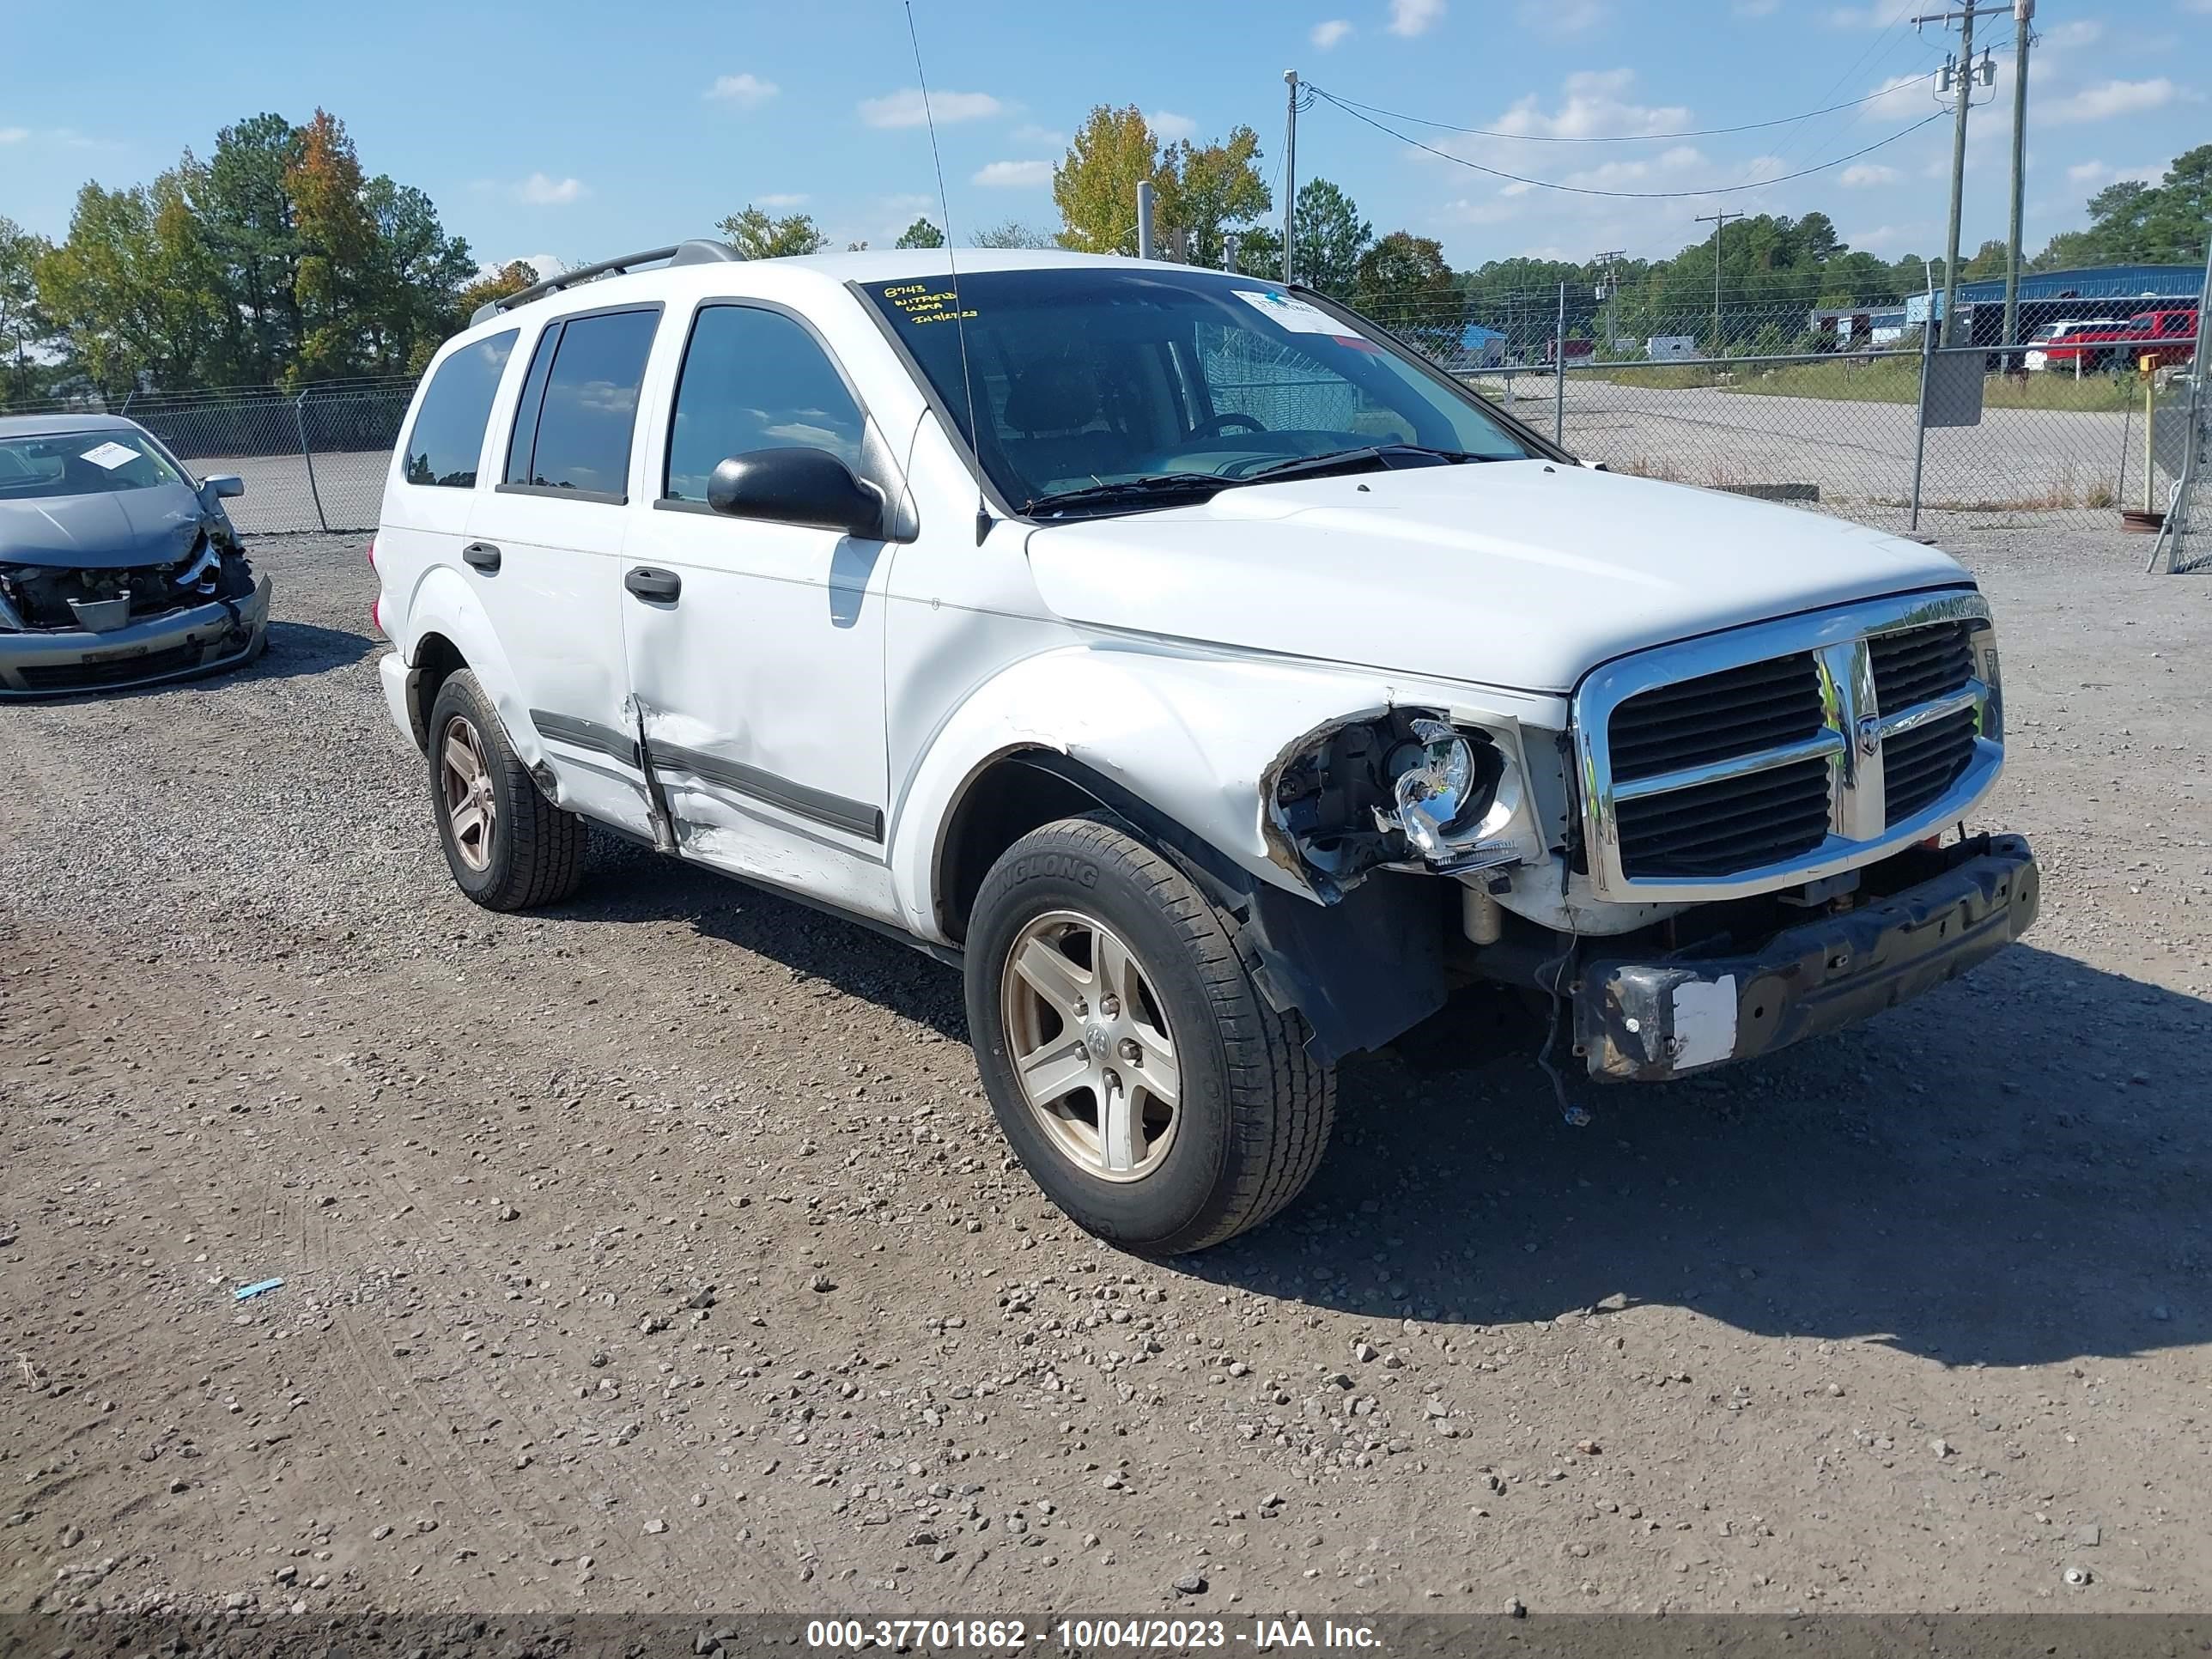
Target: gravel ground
<point>658,1251</point>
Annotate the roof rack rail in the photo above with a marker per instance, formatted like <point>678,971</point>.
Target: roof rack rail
<point>697,252</point>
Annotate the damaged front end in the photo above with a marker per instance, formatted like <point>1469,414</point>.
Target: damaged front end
<point>1405,789</point>
<point>71,628</point>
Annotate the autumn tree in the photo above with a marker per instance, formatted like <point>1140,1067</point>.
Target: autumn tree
<point>338,245</point>
<point>758,235</point>
<point>920,234</point>
<point>1095,186</point>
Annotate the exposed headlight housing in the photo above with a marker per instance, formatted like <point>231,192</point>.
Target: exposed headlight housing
<point>1405,790</point>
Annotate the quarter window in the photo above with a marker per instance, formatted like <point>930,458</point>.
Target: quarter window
<point>755,379</point>
<point>578,407</point>
<point>449,427</point>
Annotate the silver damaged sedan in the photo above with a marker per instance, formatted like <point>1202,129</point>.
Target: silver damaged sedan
<point>117,569</point>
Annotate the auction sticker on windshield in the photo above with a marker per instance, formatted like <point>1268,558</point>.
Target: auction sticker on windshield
<point>1294,313</point>
<point>110,456</point>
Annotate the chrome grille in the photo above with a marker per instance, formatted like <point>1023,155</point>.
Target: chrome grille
<point>1918,665</point>
<point>1788,751</point>
<point>1713,829</point>
<point>1716,715</point>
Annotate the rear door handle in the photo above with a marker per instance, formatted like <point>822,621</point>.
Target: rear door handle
<point>483,556</point>
<point>646,583</point>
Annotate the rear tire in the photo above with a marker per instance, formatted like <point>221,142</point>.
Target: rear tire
<point>508,846</point>
<point>1150,1090</point>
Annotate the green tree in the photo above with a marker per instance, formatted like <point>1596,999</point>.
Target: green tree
<point>1095,186</point>
<point>1217,189</point>
<point>242,199</point>
<point>133,288</point>
<point>1332,236</point>
<point>1403,280</point>
<point>758,235</point>
<point>920,234</point>
<point>24,329</point>
<point>1013,233</point>
<point>414,279</point>
<point>1990,259</point>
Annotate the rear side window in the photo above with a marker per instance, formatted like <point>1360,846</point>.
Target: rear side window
<point>754,379</point>
<point>578,407</point>
<point>449,427</point>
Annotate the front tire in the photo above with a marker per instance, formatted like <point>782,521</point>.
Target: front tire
<point>1150,1090</point>
<point>508,846</point>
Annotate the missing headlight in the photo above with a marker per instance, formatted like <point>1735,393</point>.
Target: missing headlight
<point>1404,788</point>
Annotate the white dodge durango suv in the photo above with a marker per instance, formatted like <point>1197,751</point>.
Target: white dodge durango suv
<point>1213,680</point>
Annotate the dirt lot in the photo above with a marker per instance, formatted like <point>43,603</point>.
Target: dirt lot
<point>659,1253</point>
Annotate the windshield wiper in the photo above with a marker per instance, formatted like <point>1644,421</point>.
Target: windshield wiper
<point>1378,457</point>
<point>1153,489</point>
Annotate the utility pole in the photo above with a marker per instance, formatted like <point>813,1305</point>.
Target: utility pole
<point>2023,36</point>
<point>1958,77</point>
<point>1612,289</point>
<point>1719,223</point>
<point>1290,183</point>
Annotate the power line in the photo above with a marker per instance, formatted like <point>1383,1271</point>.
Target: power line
<point>1350,104</point>
<point>1633,195</point>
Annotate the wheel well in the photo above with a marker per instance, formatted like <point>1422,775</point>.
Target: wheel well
<point>436,658</point>
<point>1013,796</point>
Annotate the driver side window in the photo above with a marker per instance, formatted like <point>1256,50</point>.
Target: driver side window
<point>754,379</point>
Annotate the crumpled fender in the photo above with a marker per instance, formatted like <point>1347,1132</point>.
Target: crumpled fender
<point>1193,737</point>
<point>443,603</point>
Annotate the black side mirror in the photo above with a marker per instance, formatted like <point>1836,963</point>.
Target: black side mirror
<point>796,486</point>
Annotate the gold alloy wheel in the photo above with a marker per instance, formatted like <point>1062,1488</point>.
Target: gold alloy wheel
<point>1090,1046</point>
<point>471,809</point>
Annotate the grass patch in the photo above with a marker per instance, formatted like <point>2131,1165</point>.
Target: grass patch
<point>1888,380</point>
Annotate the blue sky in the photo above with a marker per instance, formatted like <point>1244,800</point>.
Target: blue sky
<point>581,129</point>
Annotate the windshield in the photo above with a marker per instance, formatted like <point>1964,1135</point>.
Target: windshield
<point>1095,376</point>
<point>39,466</point>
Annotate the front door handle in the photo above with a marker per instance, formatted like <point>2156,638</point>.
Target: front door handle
<point>483,556</point>
<point>665,585</point>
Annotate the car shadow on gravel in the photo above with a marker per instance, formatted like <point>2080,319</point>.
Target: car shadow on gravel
<point>2010,1171</point>
<point>299,648</point>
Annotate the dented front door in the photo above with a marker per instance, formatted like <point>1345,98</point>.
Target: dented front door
<point>756,656</point>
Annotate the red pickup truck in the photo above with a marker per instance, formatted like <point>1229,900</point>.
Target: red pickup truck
<point>2168,335</point>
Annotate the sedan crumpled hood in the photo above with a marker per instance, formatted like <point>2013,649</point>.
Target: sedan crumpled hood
<point>109,532</point>
<point>1519,574</point>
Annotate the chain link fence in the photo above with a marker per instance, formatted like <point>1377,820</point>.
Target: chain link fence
<point>312,460</point>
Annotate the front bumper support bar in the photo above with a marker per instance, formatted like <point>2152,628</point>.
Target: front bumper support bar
<point>1648,1021</point>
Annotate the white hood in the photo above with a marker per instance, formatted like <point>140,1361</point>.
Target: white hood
<point>1519,574</point>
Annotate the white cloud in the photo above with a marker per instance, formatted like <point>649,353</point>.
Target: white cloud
<point>745,90</point>
<point>2077,32</point>
<point>540,190</point>
<point>1013,175</point>
<point>2201,7</point>
<point>1592,105</point>
<point>2109,98</point>
<point>1901,97</point>
<point>1168,126</point>
<point>14,134</point>
<point>782,199</point>
<point>1041,137</point>
<point>1562,16</point>
<point>1867,174</point>
<point>905,107</point>
<point>1411,17</point>
<point>545,264</point>
<point>1879,15</point>
<point>2095,175</point>
<point>1326,35</point>
<point>1888,242</point>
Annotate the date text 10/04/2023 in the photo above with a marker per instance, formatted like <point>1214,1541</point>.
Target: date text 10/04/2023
<point>1087,1635</point>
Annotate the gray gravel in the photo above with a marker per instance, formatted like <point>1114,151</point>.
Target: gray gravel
<point>550,1195</point>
